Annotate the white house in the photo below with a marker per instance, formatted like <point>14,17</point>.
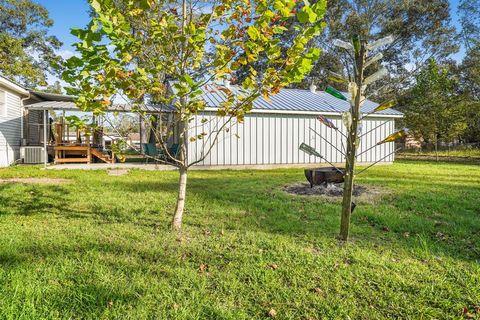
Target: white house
<point>12,97</point>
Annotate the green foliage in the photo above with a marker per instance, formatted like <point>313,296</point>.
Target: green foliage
<point>55,88</point>
<point>80,124</point>
<point>97,247</point>
<point>469,13</point>
<point>421,29</point>
<point>434,110</point>
<point>24,28</point>
<point>152,43</point>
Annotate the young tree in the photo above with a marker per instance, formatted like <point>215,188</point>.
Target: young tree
<point>363,54</point>
<point>27,52</point>
<point>434,110</point>
<point>132,48</point>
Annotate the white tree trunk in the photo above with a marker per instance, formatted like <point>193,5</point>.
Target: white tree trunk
<point>182,189</point>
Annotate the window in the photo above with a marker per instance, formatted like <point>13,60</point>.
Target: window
<point>3,103</point>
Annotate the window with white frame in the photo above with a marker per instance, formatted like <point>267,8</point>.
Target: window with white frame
<point>3,103</point>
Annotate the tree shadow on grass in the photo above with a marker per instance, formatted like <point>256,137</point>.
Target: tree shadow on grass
<point>26,200</point>
<point>434,216</point>
<point>72,291</point>
<point>254,201</point>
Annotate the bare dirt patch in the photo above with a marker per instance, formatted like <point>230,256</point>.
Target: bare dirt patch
<point>49,181</point>
<point>334,191</point>
<point>117,172</point>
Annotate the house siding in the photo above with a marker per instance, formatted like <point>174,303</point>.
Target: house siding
<point>274,139</point>
<point>10,129</point>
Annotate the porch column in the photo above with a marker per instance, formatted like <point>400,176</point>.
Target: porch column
<point>45,143</point>
<point>143,133</point>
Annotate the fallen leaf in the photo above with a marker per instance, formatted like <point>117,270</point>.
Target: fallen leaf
<point>272,313</point>
<point>386,229</point>
<point>273,266</point>
<point>467,314</point>
<point>110,304</point>
<point>203,267</point>
<point>222,232</point>
<point>317,290</point>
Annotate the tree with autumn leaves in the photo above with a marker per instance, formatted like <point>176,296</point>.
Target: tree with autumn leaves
<point>163,53</point>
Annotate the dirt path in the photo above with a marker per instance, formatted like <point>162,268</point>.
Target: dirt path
<point>49,181</point>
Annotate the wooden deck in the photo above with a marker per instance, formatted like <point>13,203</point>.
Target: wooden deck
<point>79,154</point>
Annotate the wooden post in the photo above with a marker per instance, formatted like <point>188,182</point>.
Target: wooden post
<point>45,146</point>
<point>143,133</point>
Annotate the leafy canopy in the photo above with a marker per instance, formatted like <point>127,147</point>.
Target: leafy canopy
<point>27,52</point>
<point>434,111</point>
<point>133,48</point>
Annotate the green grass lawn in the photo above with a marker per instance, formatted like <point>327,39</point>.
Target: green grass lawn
<point>467,153</point>
<point>99,247</point>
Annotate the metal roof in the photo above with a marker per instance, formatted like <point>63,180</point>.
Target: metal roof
<point>52,96</point>
<point>293,100</point>
<point>71,106</point>
<point>287,100</point>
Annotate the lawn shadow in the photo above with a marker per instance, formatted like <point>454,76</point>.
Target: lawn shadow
<point>239,202</point>
<point>26,200</point>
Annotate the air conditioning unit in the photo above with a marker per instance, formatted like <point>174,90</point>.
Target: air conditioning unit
<point>32,155</point>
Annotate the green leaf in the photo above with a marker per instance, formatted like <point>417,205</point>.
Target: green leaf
<point>253,33</point>
<point>307,15</point>
<point>302,16</point>
<point>186,78</point>
<point>95,5</point>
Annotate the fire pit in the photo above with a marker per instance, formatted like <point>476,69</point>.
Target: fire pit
<point>324,175</point>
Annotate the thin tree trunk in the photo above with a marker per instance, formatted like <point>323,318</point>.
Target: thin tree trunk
<point>182,191</point>
<point>183,136</point>
<point>436,148</point>
<point>347,197</point>
<point>352,149</point>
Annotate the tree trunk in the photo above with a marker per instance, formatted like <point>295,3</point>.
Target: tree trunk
<point>182,190</point>
<point>347,195</point>
<point>436,148</point>
<point>352,148</point>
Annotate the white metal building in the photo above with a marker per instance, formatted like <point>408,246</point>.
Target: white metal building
<point>272,133</point>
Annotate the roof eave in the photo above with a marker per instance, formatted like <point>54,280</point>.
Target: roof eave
<point>13,86</point>
<point>299,112</point>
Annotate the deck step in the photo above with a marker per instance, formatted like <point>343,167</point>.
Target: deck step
<point>96,153</point>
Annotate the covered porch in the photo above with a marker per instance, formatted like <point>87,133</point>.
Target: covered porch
<point>70,136</point>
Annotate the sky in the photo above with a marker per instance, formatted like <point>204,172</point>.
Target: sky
<point>68,14</point>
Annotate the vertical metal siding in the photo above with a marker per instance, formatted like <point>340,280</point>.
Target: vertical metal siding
<point>275,139</point>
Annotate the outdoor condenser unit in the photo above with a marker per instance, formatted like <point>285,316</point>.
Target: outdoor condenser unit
<point>32,155</point>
